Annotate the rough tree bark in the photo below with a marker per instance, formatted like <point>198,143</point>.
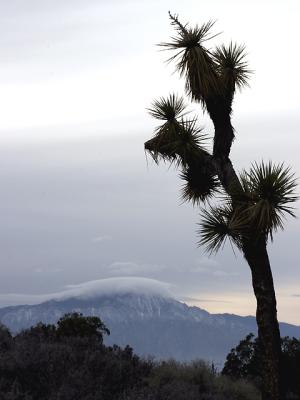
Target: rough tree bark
<point>255,252</point>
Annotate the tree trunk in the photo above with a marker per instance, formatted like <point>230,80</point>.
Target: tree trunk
<point>266,316</point>
<point>255,252</point>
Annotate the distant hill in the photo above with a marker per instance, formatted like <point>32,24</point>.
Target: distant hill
<point>152,323</point>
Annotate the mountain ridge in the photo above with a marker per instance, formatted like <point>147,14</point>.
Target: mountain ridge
<point>153,324</point>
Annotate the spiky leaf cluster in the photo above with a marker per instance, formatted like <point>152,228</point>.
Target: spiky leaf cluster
<point>270,190</point>
<point>190,142</point>
<point>175,141</point>
<point>193,60</point>
<point>168,108</point>
<point>219,223</point>
<point>207,74</point>
<point>231,66</point>
<point>165,145</point>
<point>201,182</point>
<point>258,210</point>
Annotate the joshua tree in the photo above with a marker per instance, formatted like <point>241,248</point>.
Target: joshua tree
<point>250,206</point>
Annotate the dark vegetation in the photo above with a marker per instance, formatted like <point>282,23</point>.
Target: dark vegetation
<point>69,361</point>
<point>244,362</point>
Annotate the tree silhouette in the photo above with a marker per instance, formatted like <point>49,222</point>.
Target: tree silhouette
<point>75,324</point>
<point>243,362</point>
<point>41,363</point>
<point>252,204</point>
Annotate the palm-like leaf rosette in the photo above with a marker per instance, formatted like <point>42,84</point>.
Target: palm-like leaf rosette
<point>194,62</point>
<point>232,67</point>
<point>267,197</point>
<point>270,193</point>
<point>168,108</point>
<point>208,74</point>
<point>219,223</point>
<point>201,184</point>
<point>178,139</point>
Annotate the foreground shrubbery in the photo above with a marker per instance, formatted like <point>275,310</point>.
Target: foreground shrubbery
<point>246,359</point>
<point>70,362</point>
<point>170,380</point>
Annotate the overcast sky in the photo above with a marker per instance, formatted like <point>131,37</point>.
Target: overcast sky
<point>79,201</point>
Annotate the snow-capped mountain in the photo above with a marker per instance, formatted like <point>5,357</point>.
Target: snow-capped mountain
<point>148,319</point>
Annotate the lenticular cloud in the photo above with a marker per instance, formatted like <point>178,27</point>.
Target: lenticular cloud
<point>93,289</point>
<point>118,286</point>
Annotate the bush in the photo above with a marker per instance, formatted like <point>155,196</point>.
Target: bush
<point>70,362</point>
<point>171,380</point>
<point>245,360</point>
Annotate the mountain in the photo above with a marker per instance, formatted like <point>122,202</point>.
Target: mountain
<point>152,323</point>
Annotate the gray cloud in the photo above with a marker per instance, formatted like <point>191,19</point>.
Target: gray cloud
<point>101,238</point>
<point>77,197</point>
<point>56,196</point>
<point>64,62</point>
<point>195,300</point>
